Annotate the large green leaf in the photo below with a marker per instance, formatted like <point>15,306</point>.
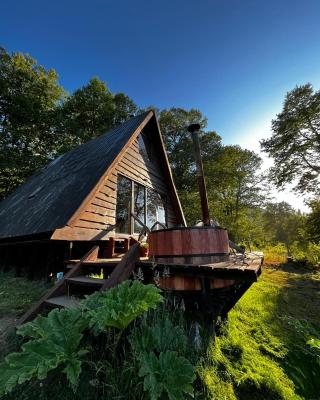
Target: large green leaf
<point>54,341</point>
<point>168,374</point>
<point>163,335</point>
<point>119,306</point>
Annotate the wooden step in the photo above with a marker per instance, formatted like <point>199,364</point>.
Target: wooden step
<point>120,271</point>
<point>86,281</point>
<point>63,301</point>
<point>100,263</point>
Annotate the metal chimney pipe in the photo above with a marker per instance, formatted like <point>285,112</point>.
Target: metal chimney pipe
<point>194,130</point>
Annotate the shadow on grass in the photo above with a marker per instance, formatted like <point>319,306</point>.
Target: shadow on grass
<point>295,319</point>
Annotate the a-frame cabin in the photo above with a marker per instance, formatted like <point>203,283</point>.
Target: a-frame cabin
<point>86,211</point>
<point>89,195</point>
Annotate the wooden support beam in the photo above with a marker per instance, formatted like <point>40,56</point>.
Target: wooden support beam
<point>108,250</point>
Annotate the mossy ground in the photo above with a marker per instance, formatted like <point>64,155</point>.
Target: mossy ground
<point>263,353</point>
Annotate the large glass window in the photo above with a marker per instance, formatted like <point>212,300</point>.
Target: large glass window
<point>155,208</point>
<point>139,206</point>
<point>147,205</point>
<point>123,212</point>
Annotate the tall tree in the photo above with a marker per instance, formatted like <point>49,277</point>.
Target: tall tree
<point>173,124</point>
<point>91,111</point>
<point>284,224</point>
<point>28,97</point>
<point>88,112</point>
<point>124,108</point>
<point>236,188</point>
<point>295,142</point>
<point>313,221</point>
<point>234,184</point>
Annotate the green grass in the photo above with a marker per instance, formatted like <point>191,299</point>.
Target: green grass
<point>17,294</point>
<point>263,353</point>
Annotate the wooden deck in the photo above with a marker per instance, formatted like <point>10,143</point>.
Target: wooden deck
<point>233,277</point>
<point>241,267</point>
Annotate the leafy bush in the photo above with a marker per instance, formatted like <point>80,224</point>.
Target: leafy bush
<point>303,252</point>
<point>163,335</point>
<point>55,341</point>
<point>159,348</point>
<point>313,254</point>
<point>275,254</point>
<point>119,306</point>
<point>315,346</point>
<point>166,373</point>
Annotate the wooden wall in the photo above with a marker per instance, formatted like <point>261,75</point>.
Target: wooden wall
<point>101,212</point>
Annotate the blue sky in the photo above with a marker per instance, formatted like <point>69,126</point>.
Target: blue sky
<point>232,59</point>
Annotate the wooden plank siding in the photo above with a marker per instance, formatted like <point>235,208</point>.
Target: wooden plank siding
<point>100,213</point>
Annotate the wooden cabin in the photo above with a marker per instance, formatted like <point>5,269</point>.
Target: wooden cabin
<point>86,211</point>
<point>88,196</point>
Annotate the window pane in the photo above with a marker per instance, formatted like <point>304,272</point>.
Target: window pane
<point>123,204</point>
<point>161,210</point>
<point>151,208</point>
<point>143,149</point>
<point>139,206</point>
<point>156,208</point>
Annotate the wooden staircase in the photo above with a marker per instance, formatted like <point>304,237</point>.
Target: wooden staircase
<point>77,282</point>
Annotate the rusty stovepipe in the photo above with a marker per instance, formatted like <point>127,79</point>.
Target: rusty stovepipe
<point>194,130</point>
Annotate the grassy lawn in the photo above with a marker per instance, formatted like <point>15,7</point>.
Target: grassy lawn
<point>17,294</point>
<point>263,354</point>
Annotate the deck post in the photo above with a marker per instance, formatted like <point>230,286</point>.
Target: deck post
<point>207,307</point>
<point>109,248</point>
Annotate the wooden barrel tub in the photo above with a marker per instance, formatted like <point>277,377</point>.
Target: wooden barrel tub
<point>194,245</point>
<point>189,246</point>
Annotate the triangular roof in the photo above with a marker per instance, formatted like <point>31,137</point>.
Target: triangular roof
<point>55,194</point>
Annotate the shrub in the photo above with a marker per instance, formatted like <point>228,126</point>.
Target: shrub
<point>167,373</point>
<point>275,254</point>
<point>119,306</point>
<point>56,340</point>
<point>313,254</point>
<point>159,349</point>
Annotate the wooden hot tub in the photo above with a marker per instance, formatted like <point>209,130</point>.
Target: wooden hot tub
<point>192,245</point>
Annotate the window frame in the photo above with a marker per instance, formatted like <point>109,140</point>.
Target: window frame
<point>131,208</point>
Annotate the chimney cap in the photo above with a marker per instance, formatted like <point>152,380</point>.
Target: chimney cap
<point>193,128</point>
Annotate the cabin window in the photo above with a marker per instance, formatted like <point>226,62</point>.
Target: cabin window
<point>143,149</point>
<point>123,213</point>
<point>148,206</point>
<point>139,205</point>
<point>155,208</point>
